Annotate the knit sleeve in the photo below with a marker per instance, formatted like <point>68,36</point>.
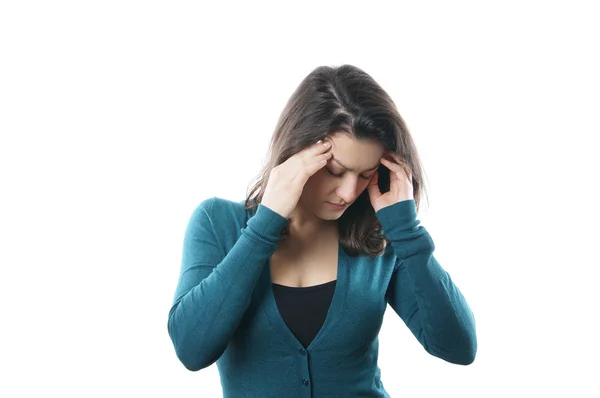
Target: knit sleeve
<point>214,287</point>
<point>422,293</point>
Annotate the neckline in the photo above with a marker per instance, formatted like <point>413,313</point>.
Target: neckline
<point>306,288</point>
<point>333,313</point>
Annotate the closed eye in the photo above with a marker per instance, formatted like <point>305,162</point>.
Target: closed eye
<point>339,175</point>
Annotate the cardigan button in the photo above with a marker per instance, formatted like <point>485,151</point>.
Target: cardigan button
<point>305,382</point>
<point>302,351</point>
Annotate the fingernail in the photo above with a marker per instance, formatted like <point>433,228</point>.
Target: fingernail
<point>318,142</point>
<point>327,143</point>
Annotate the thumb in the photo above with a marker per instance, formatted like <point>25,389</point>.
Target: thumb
<point>373,187</point>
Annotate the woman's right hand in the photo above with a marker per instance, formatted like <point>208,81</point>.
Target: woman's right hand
<point>286,181</point>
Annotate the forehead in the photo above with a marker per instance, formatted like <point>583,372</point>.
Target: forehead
<point>356,154</point>
<point>343,141</point>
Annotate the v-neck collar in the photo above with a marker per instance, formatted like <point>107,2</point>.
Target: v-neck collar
<point>333,314</point>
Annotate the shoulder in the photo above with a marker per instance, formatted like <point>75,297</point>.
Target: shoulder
<point>223,216</point>
<point>221,208</point>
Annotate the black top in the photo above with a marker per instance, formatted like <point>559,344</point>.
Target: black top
<point>304,308</point>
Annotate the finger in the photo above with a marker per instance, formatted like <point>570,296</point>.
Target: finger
<point>310,168</point>
<point>321,147</point>
<point>398,169</point>
<point>309,154</point>
<point>395,156</point>
<point>316,150</point>
<point>390,165</point>
<point>399,160</point>
<point>402,163</point>
<point>374,178</point>
<point>406,169</point>
<point>373,187</point>
<point>408,173</point>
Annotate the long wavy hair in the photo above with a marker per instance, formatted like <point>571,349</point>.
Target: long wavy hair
<point>342,99</point>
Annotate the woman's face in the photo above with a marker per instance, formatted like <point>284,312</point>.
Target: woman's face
<point>334,183</point>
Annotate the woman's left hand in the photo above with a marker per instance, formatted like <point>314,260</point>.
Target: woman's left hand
<point>401,187</point>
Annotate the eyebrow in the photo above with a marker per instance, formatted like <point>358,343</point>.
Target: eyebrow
<point>349,169</point>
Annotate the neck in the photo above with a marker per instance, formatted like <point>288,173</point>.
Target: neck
<point>307,230</point>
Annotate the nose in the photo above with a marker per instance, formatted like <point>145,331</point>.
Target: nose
<point>349,190</point>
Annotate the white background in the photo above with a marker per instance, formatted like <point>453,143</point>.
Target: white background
<point>118,117</point>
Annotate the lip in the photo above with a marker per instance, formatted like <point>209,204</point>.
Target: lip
<point>337,207</point>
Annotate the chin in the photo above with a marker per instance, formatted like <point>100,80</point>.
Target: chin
<point>323,214</point>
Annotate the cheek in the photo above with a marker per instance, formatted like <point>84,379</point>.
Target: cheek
<point>316,185</point>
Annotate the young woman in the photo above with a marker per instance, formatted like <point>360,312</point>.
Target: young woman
<point>286,290</point>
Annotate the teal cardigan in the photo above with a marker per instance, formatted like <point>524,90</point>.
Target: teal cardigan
<point>224,310</point>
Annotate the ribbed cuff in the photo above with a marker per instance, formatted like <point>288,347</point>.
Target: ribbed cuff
<point>401,216</point>
<point>401,227</point>
<point>266,225</point>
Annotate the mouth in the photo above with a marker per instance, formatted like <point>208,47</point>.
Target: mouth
<point>337,207</point>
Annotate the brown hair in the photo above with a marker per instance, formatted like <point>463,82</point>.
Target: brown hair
<point>343,99</point>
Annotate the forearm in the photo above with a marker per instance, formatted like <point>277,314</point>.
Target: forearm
<point>445,322</point>
<point>211,298</point>
<point>423,293</point>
